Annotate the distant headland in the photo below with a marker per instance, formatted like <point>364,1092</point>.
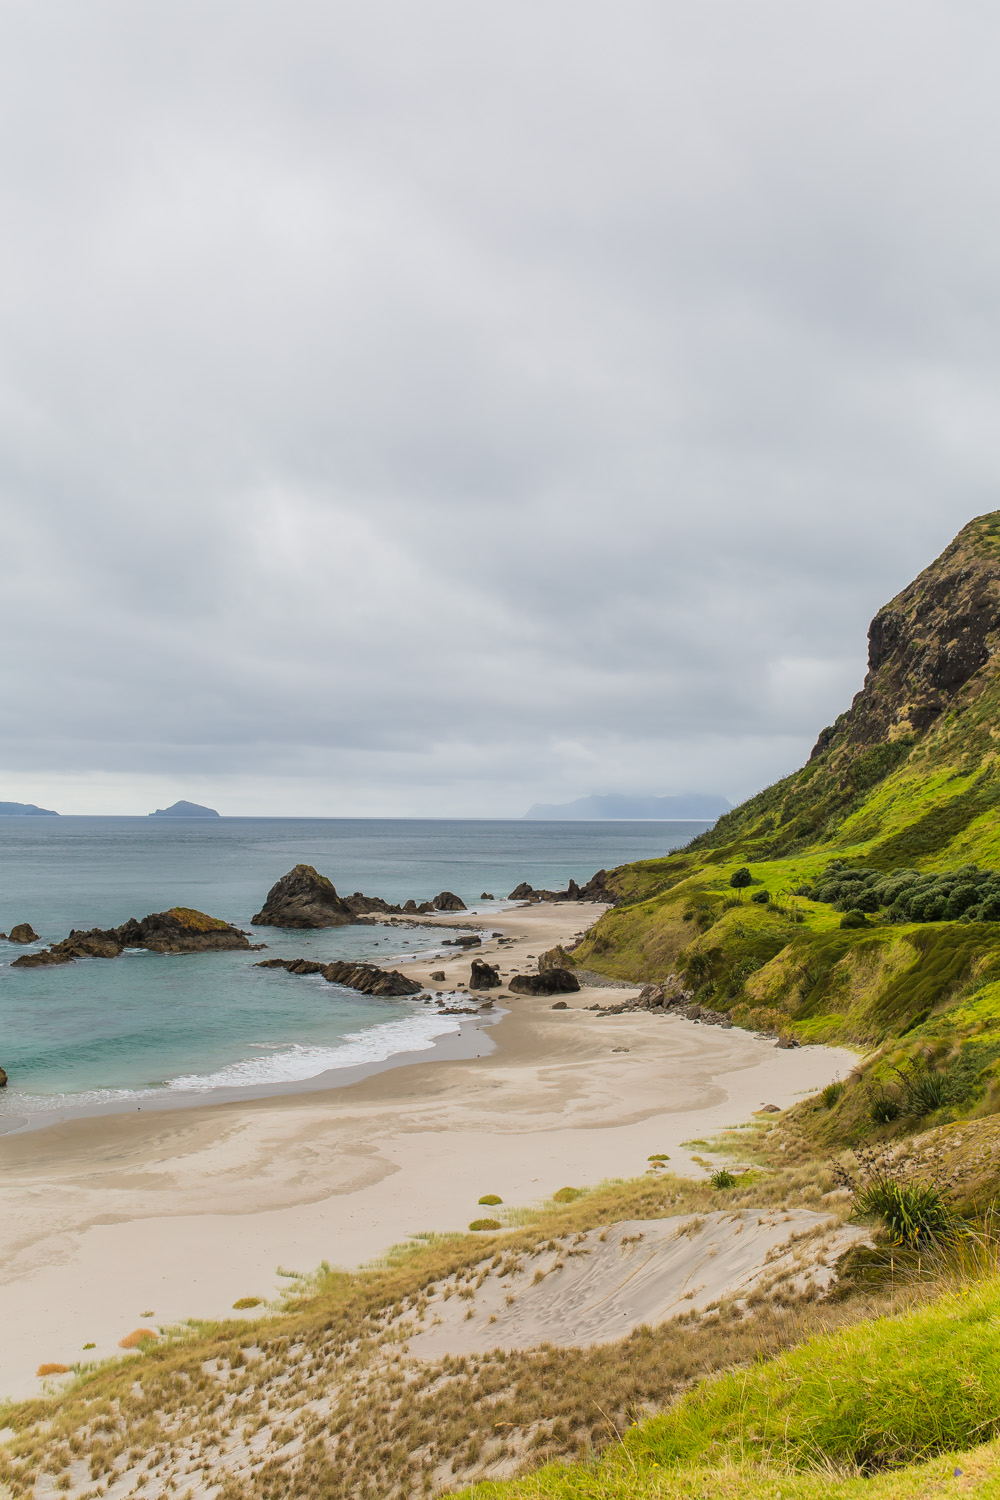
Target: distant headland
<point>25,810</point>
<point>185,810</point>
<point>703,806</point>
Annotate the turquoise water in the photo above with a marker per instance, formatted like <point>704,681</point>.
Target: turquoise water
<point>149,1026</point>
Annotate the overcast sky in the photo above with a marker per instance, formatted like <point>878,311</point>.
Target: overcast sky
<point>434,407</point>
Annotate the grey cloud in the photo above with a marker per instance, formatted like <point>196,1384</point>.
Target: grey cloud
<point>435,408</point>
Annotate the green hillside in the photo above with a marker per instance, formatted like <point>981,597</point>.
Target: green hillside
<point>872,912</point>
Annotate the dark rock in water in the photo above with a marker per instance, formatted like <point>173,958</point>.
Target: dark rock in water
<point>462,942</point>
<point>425,908</point>
<point>41,960</point>
<point>185,810</point>
<point>411,907</point>
<point>438,976</point>
<point>361,905</point>
<point>3,1079</point>
<point>180,930</point>
<point>303,898</point>
<point>448,901</point>
<point>487,896</point>
<point>522,892</point>
<point>552,982</point>
<point>484,976</point>
<point>369,979</point>
<point>23,933</point>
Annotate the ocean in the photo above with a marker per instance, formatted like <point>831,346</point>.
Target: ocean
<point>151,1028</point>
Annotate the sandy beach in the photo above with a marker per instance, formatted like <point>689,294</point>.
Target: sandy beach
<point>114,1221</point>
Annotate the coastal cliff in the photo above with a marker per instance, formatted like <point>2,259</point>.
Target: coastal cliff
<point>859,898</point>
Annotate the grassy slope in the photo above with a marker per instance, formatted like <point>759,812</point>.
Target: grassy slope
<point>887,1393</point>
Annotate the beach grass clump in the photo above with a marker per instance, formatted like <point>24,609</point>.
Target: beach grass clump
<point>51,1368</point>
<point>723,1179</point>
<point>244,1302</point>
<point>568,1194</point>
<point>480,1224</point>
<point>137,1338</point>
<point>490,1199</point>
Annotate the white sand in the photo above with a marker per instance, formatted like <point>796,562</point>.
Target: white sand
<point>113,1222</point>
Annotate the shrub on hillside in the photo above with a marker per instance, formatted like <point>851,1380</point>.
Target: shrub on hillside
<point>913,1213</point>
<point>964,895</point>
<point>740,878</point>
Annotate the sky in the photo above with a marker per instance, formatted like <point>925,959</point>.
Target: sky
<point>432,409</point>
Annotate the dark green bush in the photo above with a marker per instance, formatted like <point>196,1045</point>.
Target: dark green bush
<point>967,894</point>
<point>740,878</point>
<point>854,919</point>
<point>761,897</point>
<point>832,1093</point>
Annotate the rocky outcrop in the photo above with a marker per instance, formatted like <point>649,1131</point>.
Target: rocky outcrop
<point>448,901</point>
<point>3,1079</point>
<point>368,979</point>
<point>484,976</point>
<point>554,958</point>
<point>461,942</point>
<point>363,906</point>
<point>23,933</point>
<point>669,998</point>
<point>303,899</point>
<point>596,889</point>
<point>179,930</point>
<point>552,982</point>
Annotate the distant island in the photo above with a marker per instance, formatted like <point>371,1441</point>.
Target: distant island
<point>703,806</point>
<point>25,810</point>
<point>185,810</point>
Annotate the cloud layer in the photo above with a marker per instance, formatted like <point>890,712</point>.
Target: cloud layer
<point>437,409</point>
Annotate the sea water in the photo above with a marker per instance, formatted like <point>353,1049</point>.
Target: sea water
<point>147,1026</point>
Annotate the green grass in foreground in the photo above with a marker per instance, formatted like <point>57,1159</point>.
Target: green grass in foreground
<point>885,1394</point>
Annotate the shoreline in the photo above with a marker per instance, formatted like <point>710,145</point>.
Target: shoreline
<point>114,1219</point>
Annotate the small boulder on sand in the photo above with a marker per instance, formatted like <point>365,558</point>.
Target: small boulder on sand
<point>552,982</point>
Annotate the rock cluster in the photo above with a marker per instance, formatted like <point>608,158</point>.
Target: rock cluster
<point>180,930</point>
<point>596,889</point>
<point>484,976</point>
<point>668,997</point>
<point>306,899</point>
<point>549,982</point>
<point>369,979</point>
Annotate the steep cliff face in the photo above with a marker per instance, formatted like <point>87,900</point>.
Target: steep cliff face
<point>931,698</point>
<point>930,650</point>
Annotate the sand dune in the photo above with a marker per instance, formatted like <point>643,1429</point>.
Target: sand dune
<point>596,1287</point>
